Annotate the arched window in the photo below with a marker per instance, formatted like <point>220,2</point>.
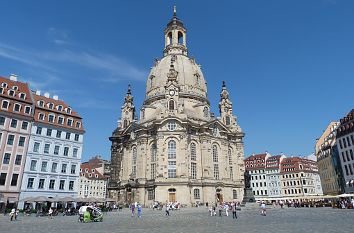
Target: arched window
<point>171,105</point>
<point>180,38</point>
<point>230,156</point>
<point>227,120</point>
<point>169,38</point>
<point>215,154</point>
<point>153,152</point>
<point>125,123</point>
<point>172,149</point>
<point>196,193</point>
<point>134,157</point>
<point>193,152</point>
<point>172,190</point>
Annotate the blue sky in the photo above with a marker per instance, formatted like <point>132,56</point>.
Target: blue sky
<point>289,64</point>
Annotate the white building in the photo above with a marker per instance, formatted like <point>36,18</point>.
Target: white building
<point>345,144</point>
<point>92,182</point>
<point>273,175</point>
<point>55,147</point>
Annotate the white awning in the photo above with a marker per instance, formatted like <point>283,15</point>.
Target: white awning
<point>352,181</point>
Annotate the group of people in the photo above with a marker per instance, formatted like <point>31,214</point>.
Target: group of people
<point>136,206</point>
<point>224,207</point>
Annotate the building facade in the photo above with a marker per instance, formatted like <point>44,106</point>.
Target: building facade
<point>15,127</point>
<point>345,145</point>
<point>273,175</point>
<point>55,148</point>
<point>92,182</point>
<point>256,165</point>
<point>178,150</point>
<point>328,162</point>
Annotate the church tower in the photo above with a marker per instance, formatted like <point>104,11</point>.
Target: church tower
<point>225,107</point>
<point>128,110</point>
<point>175,36</point>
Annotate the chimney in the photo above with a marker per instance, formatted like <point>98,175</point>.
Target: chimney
<point>38,92</point>
<point>55,97</point>
<point>13,77</point>
<point>46,94</point>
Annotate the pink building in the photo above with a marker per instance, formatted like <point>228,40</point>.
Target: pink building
<point>15,126</point>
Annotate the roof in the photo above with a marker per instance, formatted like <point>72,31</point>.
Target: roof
<point>57,108</point>
<point>298,164</point>
<point>346,124</point>
<point>255,162</point>
<point>90,172</point>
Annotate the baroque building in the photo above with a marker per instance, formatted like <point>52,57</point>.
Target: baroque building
<point>177,150</point>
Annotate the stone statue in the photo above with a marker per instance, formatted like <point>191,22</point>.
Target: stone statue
<point>247,179</point>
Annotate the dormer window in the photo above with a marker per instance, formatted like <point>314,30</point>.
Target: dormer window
<point>41,116</point>
<point>17,108</point>
<point>60,120</point>
<point>22,96</point>
<point>15,88</point>
<point>4,85</point>
<point>60,108</point>
<point>1,90</point>
<point>11,93</point>
<point>50,105</point>
<point>78,124</point>
<point>96,176</point>
<point>68,110</point>
<point>86,170</point>
<point>40,103</point>
<point>93,170</point>
<point>90,175</point>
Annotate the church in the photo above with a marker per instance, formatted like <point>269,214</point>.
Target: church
<point>177,149</point>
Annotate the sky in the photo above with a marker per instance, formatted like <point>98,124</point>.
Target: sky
<point>288,64</point>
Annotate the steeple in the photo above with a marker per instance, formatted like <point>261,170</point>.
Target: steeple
<point>225,106</point>
<point>175,36</point>
<point>128,109</point>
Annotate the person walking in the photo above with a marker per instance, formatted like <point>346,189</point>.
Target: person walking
<point>50,213</point>
<point>263,208</point>
<point>226,207</point>
<point>234,208</point>
<point>12,214</point>
<point>132,206</point>
<point>220,210</point>
<point>139,211</point>
<point>167,210</point>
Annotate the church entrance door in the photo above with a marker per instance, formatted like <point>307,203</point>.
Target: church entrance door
<point>172,197</point>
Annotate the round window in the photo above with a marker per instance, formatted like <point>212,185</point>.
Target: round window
<point>171,125</point>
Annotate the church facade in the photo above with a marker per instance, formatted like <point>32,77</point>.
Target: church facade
<point>177,150</point>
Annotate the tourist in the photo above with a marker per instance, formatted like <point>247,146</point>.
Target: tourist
<point>234,208</point>
<point>220,207</point>
<point>132,206</point>
<point>214,209</point>
<point>50,213</point>
<point>226,207</point>
<point>12,214</point>
<point>263,208</point>
<point>139,211</point>
<point>167,210</point>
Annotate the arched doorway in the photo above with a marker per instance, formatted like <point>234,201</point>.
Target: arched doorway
<point>172,195</point>
<point>219,196</point>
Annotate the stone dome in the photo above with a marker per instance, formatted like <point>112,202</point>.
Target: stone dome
<point>190,78</point>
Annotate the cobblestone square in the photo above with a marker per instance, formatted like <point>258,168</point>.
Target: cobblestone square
<point>321,220</point>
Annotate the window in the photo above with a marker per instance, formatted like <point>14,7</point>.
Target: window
<point>41,184</point>
<point>11,92</point>
<point>17,107</point>
<point>69,122</point>
<point>33,165</point>
<point>54,167</point>
<point>60,108</point>
<point>193,152</point>
<point>61,184</point>
<point>68,110</point>
<point>171,105</point>
<point>78,124</point>
<point>227,120</point>
<point>40,103</point>
<point>56,150</point>
<point>171,126</point>
<point>2,120</point>
<point>30,183</point>
<point>63,168</point>
<point>5,104</point>
<point>24,125</point>
<point>216,171</point>
<point>171,169</point>
<point>153,171</point>
<point>66,151</point>
<point>234,194</point>
<point>51,184</point>
<point>36,147</point>
<point>206,112</point>
<point>134,157</point>
<point>196,193</point>
<point>230,156</point>
<point>7,157</point>
<point>172,149</point>
<point>18,160</point>
<point>21,141</point>
<point>39,130</point>
<point>51,118</point>
<point>75,150</point>
<point>151,194</point>
<point>73,169</point>
<point>46,148</point>
<point>71,185</point>
<point>76,137</point>
<point>3,178</point>
<point>44,166</point>
<point>27,109</point>
<point>58,134</point>
<point>13,123</point>
<point>49,132</point>
<point>60,120</point>
<point>41,116</point>
<point>14,179</point>
<point>215,154</point>
<point>231,173</point>
<point>22,96</point>
<point>67,136</point>
<point>153,152</point>
<point>194,170</point>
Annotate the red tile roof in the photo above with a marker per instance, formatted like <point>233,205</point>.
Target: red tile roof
<point>89,169</point>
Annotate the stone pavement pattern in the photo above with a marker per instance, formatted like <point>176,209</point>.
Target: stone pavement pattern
<point>321,220</point>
